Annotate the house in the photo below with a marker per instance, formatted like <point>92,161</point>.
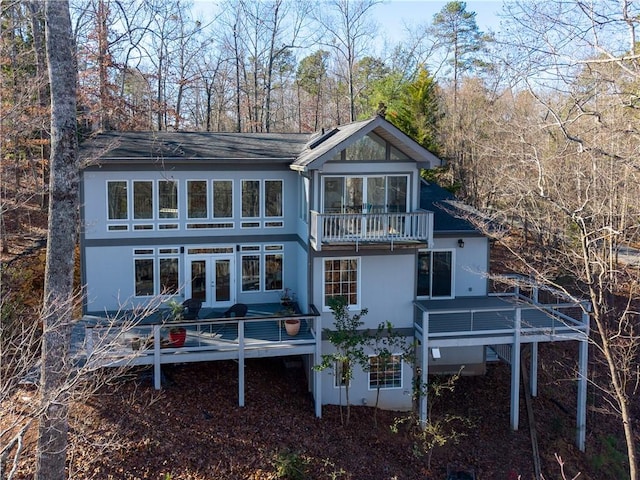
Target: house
<point>230,218</point>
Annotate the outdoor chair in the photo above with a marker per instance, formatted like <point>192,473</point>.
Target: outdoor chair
<point>192,308</point>
<point>237,310</point>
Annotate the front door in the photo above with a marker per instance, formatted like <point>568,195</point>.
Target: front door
<point>211,280</point>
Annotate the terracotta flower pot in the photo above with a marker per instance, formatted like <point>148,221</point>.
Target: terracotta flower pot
<point>292,327</point>
<point>177,336</point>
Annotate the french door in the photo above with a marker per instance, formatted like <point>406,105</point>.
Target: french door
<point>211,279</point>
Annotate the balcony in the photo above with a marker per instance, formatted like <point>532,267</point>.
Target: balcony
<point>370,228</point>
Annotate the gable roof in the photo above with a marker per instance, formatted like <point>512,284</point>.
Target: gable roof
<point>115,147</point>
<point>301,151</point>
<point>322,149</point>
<point>449,214</point>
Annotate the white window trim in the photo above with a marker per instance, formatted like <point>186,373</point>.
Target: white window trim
<point>264,199</point>
<point>208,202</point>
<point>453,274</point>
<point>326,308</point>
<point>157,199</point>
<point>153,198</point>
<point>364,177</point>
<point>373,389</point>
<point>335,376</point>
<point>213,189</point>
<point>129,205</point>
<point>260,275</point>
<point>260,200</point>
<point>263,280</point>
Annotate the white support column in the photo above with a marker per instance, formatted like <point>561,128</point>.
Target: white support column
<point>515,371</point>
<point>581,413</point>
<point>424,375</point>
<point>157,373</point>
<point>533,374</point>
<point>241,363</point>
<point>317,375</point>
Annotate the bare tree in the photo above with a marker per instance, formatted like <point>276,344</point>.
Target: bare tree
<point>347,30</point>
<point>573,174</point>
<point>63,222</point>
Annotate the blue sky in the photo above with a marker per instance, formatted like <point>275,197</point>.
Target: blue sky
<point>393,14</point>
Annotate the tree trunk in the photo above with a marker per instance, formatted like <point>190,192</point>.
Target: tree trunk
<point>63,220</point>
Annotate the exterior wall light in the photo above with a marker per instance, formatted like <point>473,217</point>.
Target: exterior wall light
<point>461,243</point>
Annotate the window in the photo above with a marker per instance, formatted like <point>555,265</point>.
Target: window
<point>250,198</point>
<point>144,277</point>
<point>341,280</point>
<point>250,273</point>
<point>385,372</point>
<point>435,274</point>
<point>304,199</point>
<point>117,200</point>
<point>370,147</point>
<point>273,198</point>
<point>167,199</point>
<point>222,199</point>
<point>366,194</point>
<point>169,283</point>
<point>142,200</point>
<point>341,370</point>
<point>196,199</point>
<point>156,275</point>
<point>273,271</point>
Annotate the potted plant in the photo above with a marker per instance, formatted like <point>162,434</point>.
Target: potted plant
<point>287,298</point>
<point>292,325</point>
<point>177,335</point>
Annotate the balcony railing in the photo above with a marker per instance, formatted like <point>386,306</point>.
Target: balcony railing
<point>345,228</point>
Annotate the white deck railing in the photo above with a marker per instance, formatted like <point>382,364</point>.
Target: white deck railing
<point>370,227</point>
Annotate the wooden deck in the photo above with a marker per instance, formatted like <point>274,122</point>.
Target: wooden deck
<point>497,319</point>
<point>126,339</point>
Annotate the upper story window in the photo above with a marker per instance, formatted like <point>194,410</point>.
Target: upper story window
<point>342,279</point>
<point>250,198</point>
<point>222,199</point>
<point>142,200</point>
<point>272,205</point>
<point>197,199</point>
<point>369,147</point>
<point>273,198</point>
<point>167,199</point>
<point>435,274</point>
<point>366,194</point>
<point>117,200</point>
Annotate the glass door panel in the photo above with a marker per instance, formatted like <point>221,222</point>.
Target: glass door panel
<point>375,195</point>
<point>333,195</point>
<point>223,280</point>
<point>397,194</point>
<point>442,274</point>
<point>198,280</point>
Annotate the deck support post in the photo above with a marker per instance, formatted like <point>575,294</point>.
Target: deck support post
<point>533,374</point>
<point>581,413</point>
<point>240,364</point>
<point>424,374</point>
<point>317,375</point>
<point>515,371</point>
<point>157,374</point>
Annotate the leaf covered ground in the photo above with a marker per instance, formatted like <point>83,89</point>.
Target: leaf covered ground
<point>194,429</point>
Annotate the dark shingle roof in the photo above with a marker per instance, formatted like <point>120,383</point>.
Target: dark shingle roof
<point>449,214</point>
<point>323,148</point>
<point>113,146</point>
